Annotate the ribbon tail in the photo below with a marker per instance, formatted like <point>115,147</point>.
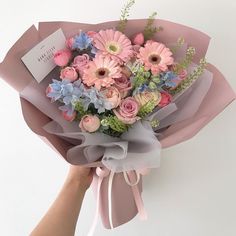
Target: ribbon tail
<point>138,200</point>
<point>111,176</point>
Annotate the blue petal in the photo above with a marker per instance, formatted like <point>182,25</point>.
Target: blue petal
<point>67,100</point>
<point>82,41</point>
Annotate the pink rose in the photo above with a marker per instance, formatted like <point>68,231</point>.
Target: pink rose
<point>113,96</point>
<point>123,84</point>
<point>183,74</point>
<point>165,99</point>
<point>127,111</point>
<point>69,117</point>
<point>70,42</point>
<point>81,63</point>
<point>138,39</point>
<point>89,123</point>
<point>69,73</point>
<point>62,57</point>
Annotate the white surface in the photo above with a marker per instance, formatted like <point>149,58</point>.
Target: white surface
<point>193,192</point>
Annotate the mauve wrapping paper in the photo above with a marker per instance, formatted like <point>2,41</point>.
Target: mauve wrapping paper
<point>217,98</point>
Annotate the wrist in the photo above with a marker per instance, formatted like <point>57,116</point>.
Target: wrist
<point>76,184</point>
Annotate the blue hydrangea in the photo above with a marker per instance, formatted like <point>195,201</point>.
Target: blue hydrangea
<point>93,50</point>
<point>70,93</point>
<point>59,89</point>
<point>69,109</point>
<point>140,89</point>
<point>67,92</point>
<point>82,41</point>
<point>93,96</point>
<point>168,79</point>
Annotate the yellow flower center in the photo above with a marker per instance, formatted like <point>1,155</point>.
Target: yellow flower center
<point>113,48</point>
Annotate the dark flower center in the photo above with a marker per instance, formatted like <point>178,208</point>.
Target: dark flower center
<point>154,59</point>
<point>102,73</point>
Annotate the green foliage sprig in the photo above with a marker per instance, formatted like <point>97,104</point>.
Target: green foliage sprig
<point>155,123</point>
<point>141,77</point>
<point>115,124</point>
<point>179,44</point>
<point>186,61</point>
<point>124,15</point>
<point>150,30</point>
<point>80,109</point>
<point>191,77</point>
<point>146,109</point>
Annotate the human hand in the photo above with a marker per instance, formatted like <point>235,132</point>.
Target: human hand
<point>81,175</point>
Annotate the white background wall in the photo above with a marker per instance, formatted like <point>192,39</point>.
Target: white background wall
<point>193,192</point>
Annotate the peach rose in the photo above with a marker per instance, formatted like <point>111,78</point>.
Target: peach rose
<point>62,57</point>
<point>145,97</point>
<point>113,96</point>
<point>89,123</point>
<point>69,73</point>
<point>127,111</point>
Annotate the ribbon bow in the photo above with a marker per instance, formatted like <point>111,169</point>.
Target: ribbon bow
<point>131,181</point>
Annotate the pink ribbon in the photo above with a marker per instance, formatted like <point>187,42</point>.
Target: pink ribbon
<point>103,172</point>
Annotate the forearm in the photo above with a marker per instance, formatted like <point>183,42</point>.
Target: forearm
<point>62,217</point>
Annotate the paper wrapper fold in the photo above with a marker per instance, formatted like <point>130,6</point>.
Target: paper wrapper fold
<point>219,95</point>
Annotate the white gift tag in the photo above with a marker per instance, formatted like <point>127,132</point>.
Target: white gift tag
<point>39,60</point>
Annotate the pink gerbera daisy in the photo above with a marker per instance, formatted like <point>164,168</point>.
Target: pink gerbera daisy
<point>114,44</point>
<point>156,57</point>
<point>101,72</point>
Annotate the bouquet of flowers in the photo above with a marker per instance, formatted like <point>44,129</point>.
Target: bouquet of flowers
<point>107,82</point>
<point>118,93</point>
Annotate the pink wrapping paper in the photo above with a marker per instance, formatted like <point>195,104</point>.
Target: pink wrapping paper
<point>217,98</point>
